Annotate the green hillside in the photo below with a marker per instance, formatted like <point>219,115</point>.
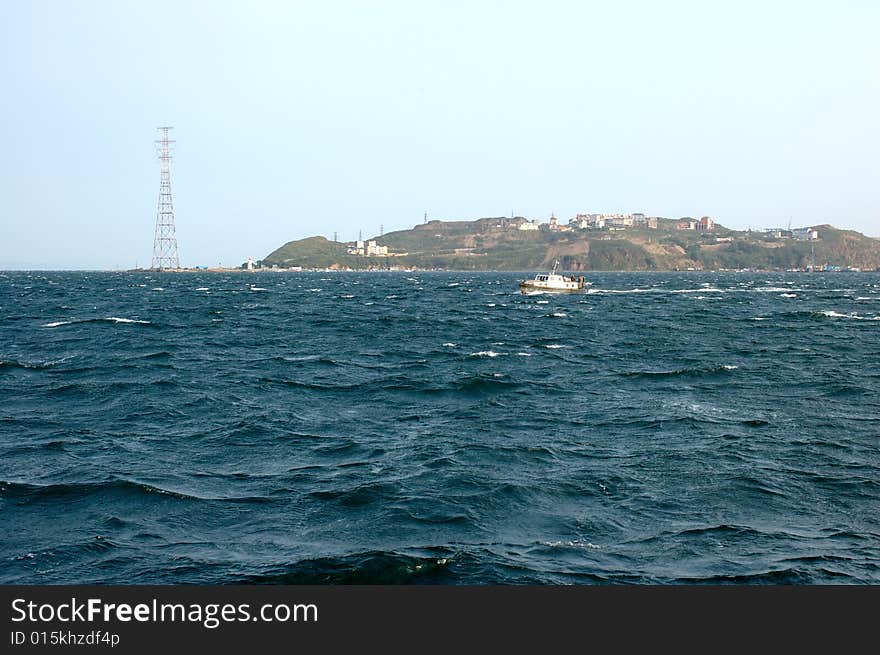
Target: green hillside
<point>497,244</point>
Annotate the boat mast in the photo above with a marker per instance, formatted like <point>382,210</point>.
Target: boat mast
<point>555,264</point>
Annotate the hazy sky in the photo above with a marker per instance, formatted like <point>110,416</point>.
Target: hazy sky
<point>302,118</point>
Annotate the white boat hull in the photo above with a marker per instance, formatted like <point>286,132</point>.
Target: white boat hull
<point>552,282</point>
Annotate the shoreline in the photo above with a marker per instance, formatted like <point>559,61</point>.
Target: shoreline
<point>215,270</point>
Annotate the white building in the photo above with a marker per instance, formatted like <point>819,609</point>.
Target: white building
<point>805,234</point>
<point>367,249</point>
<point>375,250</point>
<point>529,226</point>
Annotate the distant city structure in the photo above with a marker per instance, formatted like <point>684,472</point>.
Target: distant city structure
<point>368,249</point>
<point>612,221</point>
<point>798,234</point>
<point>165,254</point>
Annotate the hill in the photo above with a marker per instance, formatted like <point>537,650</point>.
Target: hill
<point>500,244</point>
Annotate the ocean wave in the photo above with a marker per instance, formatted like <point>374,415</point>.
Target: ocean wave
<point>369,568</point>
<point>576,543</point>
<point>116,319</point>
<point>852,315</point>
<point>606,291</point>
<point>33,365</point>
<point>481,384</point>
<point>108,319</point>
<point>681,372</point>
<point>784,576</point>
<point>23,492</point>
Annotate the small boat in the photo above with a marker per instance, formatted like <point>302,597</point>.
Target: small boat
<point>553,282</point>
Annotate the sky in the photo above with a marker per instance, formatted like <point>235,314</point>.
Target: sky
<point>294,119</point>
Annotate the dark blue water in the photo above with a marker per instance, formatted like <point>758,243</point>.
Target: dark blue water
<point>439,428</point>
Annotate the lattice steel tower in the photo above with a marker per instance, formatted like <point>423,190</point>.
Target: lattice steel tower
<point>165,242</point>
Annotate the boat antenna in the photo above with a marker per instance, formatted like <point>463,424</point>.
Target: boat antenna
<point>555,264</point>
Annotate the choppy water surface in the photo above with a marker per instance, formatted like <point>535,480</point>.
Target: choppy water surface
<point>439,427</point>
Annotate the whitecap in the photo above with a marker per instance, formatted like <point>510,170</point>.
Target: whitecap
<point>157,289</point>
<point>833,314</point>
<point>449,344</point>
<point>729,367</point>
<point>57,323</point>
<point>258,289</point>
<point>524,354</point>
<point>485,353</point>
<point>602,291</point>
<point>559,314</point>
<point>577,543</point>
<point>201,288</point>
<point>542,302</point>
<point>788,295</point>
<point>554,346</point>
<point>116,319</point>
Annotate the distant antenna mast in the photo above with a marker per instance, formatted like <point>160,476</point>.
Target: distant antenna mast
<point>360,235</point>
<point>165,253</point>
<point>381,230</point>
<point>334,237</point>
<point>426,217</point>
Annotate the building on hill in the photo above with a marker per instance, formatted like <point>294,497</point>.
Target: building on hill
<point>805,234</point>
<point>588,221</point>
<point>687,224</point>
<point>706,224</point>
<point>528,226</point>
<point>368,249</point>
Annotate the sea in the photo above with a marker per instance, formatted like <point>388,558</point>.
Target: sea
<point>439,428</point>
